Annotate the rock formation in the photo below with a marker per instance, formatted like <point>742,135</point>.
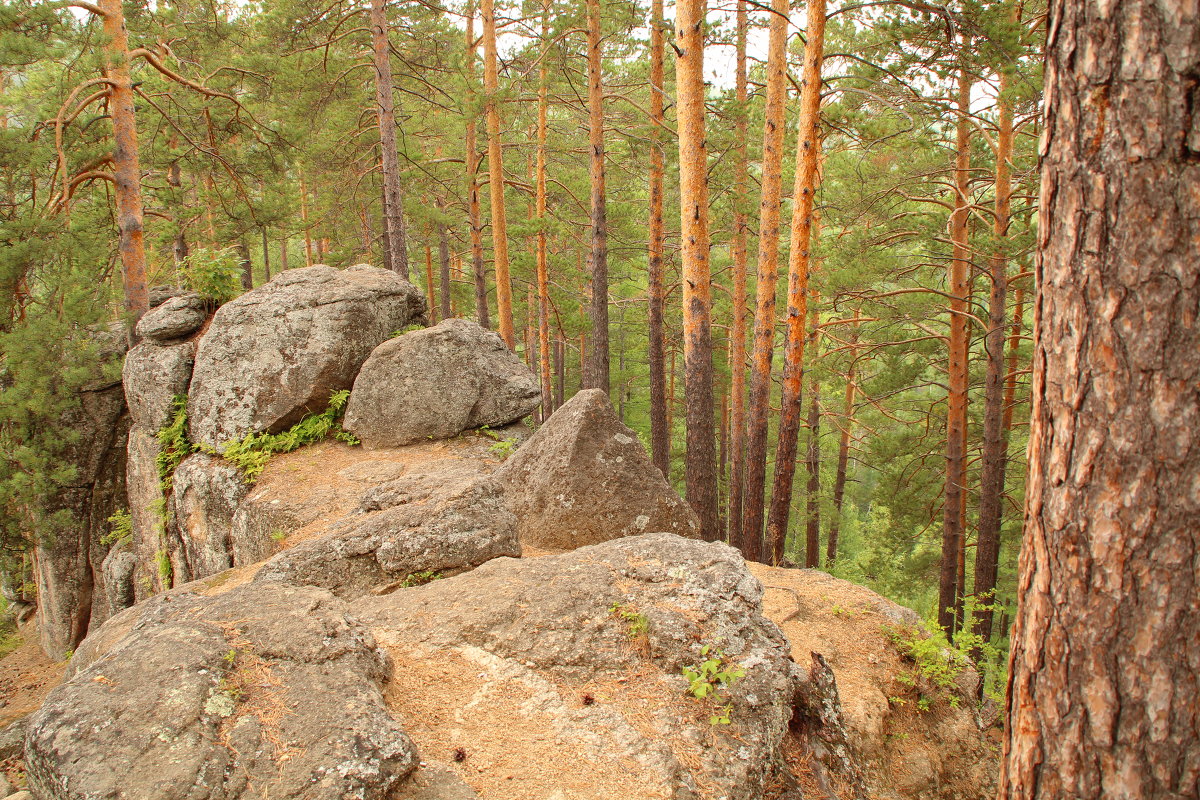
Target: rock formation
<point>436,383</point>
<point>584,478</point>
<point>278,352</point>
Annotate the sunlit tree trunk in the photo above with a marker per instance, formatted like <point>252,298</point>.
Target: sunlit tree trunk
<point>393,205</point>
<point>1105,659</point>
<point>596,371</point>
<point>774,128</point>
<point>127,172</point>
<point>956,402</point>
<point>660,433</point>
<point>701,467</point>
<point>491,87</point>
<point>808,151</point>
<point>737,335</point>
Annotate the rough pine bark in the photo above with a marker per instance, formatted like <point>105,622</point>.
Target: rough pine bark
<point>700,463</point>
<point>127,172</point>
<point>393,198</point>
<point>808,150</point>
<point>471,158</point>
<point>956,400</point>
<point>737,335</point>
<point>1105,653</point>
<point>444,262</point>
<point>596,370</point>
<point>660,432</point>
<point>812,551</point>
<point>995,442</point>
<point>491,87</point>
<point>758,414</point>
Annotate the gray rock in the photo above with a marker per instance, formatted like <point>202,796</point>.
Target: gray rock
<point>437,382</point>
<point>12,738</point>
<point>161,294</point>
<point>120,567</point>
<point>147,508</point>
<point>268,689</point>
<point>557,622</point>
<point>585,478</point>
<point>278,352</point>
<point>21,795</point>
<point>445,520</point>
<point>174,318</point>
<point>153,376</point>
<point>205,496</point>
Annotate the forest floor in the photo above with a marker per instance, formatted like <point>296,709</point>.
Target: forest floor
<point>26,676</point>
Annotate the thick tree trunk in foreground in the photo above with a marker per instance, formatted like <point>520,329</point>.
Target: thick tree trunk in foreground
<point>1106,651</point>
<point>995,441</point>
<point>808,152</point>
<point>127,171</point>
<point>596,371</point>
<point>774,127</point>
<point>737,335</point>
<point>953,533</point>
<point>393,199</point>
<point>491,87</point>
<point>697,290</point>
<point>660,433</point>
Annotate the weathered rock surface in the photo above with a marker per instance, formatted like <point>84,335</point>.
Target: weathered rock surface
<point>268,690</point>
<point>161,294</point>
<point>278,352</point>
<point>584,478</point>
<point>147,508</point>
<point>435,383</point>
<point>444,519</point>
<point>153,376</point>
<point>70,580</point>
<point>205,496</point>
<point>120,569</point>
<point>541,671</point>
<point>174,318</point>
<point>897,750</point>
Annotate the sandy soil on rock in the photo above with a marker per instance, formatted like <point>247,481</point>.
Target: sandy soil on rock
<point>26,676</point>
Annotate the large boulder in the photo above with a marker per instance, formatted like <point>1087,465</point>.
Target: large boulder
<point>901,735</point>
<point>585,478</point>
<point>174,318</point>
<point>562,676</point>
<point>147,508</point>
<point>444,519</point>
<point>278,352</point>
<point>267,690</point>
<point>437,382</point>
<point>206,491</point>
<point>153,377</point>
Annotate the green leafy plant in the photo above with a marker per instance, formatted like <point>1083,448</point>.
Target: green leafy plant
<point>503,448</point>
<point>215,275</point>
<point>165,572</point>
<point>174,444</point>
<point>251,454</point>
<point>710,677</point>
<point>639,625</point>
<point>406,329</point>
<point>278,535</point>
<point>420,578</point>
<point>121,527</point>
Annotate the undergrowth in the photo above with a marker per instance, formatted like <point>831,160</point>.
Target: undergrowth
<point>251,454</point>
<point>121,523</point>
<point>709,678</point>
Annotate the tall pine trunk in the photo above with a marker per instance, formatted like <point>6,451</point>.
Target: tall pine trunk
<point>1105,659</point>
<point>393,205</point>
<point>127,172</point>
<point>839,481</point>
<point>995,441</point>
<point>812,551</point>
<point>543,274</point>
<point>660,432</point>
<point>471,159</point>
<point>953,533</point>
<point>700,463</point>
<point>737,336</point>
<point>774,128</point>
<point>491,88</point>
<point>808,151</point>
<point>596,371</point>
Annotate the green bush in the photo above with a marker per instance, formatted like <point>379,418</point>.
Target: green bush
<point>216,275</point>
